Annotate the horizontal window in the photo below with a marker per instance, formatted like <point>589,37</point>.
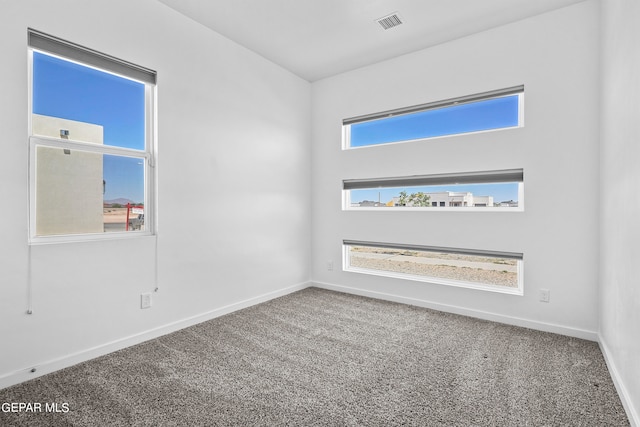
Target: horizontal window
<point>483,190</point>
<point>498,109</point>
<point>478,269</point>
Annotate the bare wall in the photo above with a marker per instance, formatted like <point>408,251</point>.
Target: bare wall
<point>555,56</point>
<point>233,166</point>
<point>620,204</point>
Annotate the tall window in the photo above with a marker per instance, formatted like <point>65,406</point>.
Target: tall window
<point>91,143</point>
<point>499,109</point>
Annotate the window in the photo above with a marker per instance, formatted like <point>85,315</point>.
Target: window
<point>470,268</point>
<point>91,143</point>
<point>500,109</point>
<point>469,191</point>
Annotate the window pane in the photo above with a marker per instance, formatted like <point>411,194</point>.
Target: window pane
<point>473,269</point>
<point>462,195</point>
<point>488,114</point>
<point>70,91</point>
<point>79,192</point>
<point>68,192</point>
<point>123,186</point>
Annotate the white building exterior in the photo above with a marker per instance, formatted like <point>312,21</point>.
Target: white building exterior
<point>453,199</point>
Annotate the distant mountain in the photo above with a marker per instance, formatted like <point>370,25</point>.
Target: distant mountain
<point>121,201</point>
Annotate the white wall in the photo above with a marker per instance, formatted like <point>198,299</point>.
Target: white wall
<point>620,206</point>
<point>234,205</point>
<point>555,55</point>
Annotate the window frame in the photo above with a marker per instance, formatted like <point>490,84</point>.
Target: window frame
<point>479,177</point>
<point>436,105</point>
<point>120,69</point>
<point>519,291</point>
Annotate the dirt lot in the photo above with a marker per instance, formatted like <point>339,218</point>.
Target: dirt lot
<point>115,215</point>
<point>485,270</point>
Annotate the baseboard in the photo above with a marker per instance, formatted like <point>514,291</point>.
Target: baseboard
<point>632,412</point>
<point>500,318</point>
<point>66,361</point>
<point>26,374</point>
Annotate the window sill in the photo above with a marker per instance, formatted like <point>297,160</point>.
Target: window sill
<point>448,282</point>
<point>435,209</point>
<point>98,237</point>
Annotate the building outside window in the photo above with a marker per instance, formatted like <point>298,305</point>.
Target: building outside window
<point>497,190</point>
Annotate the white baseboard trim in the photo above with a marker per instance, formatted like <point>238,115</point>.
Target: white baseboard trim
<point>500,318</point>
<point>627,403</point>
<point>44,368</point>
<point>66,361</point>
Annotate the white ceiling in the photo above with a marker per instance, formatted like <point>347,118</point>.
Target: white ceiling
<point>320,38</point>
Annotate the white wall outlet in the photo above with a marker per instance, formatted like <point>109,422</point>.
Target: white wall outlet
<point>330,265</point>
<point>145,300</point>
<point>544,295</point>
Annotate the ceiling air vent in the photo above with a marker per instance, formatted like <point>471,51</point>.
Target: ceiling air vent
<point>389,21</point>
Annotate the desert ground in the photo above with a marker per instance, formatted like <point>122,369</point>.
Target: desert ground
<point>115,219</point>
<point>485,270</point>
<point>115,215</point>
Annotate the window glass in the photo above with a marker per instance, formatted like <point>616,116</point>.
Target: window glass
<point>486,114</point>
<point>502,194</point>
<point>487,271</point>
<point>68,191</point>
<point>123,193</point>
<point>68,90</point>
<point>473,189</point>
<point>90,152</point>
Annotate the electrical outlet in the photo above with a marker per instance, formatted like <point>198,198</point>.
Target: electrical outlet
<point>544,295</point>
<point>330,265</point>
<point>145,300</point>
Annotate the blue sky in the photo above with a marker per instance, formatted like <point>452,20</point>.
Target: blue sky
<point>67,90</point>
<point>477,116</point>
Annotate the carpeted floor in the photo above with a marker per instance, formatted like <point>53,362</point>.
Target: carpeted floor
<point>322,358</point>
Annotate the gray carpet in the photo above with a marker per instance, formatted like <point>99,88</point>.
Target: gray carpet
<point>322,358</point>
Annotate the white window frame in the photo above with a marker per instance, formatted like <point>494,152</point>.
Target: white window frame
<point>478,177</point>
<point>515,90</point>
<point>52,46</point>
<point>346,266</point>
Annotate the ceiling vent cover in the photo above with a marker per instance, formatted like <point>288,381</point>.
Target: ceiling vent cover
<point>390,21</point>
